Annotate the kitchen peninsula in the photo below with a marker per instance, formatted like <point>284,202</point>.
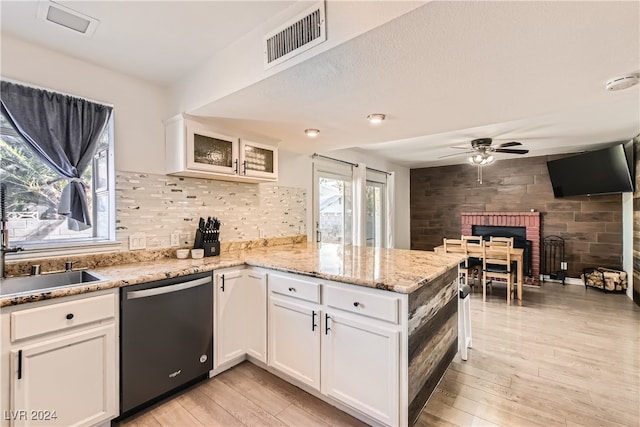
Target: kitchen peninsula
<point>404,301</point>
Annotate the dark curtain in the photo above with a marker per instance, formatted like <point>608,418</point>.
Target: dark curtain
<point>64,132</point>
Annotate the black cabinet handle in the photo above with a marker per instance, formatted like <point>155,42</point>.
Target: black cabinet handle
<point>235,162</point>
<point>292,289</point>
<point>19,364</point>
<point>313,320</point>
<point>222,287</point>
<point>69,316</point>
<point>244,167</point>
<point>326,324</point>
<point>356,304</point>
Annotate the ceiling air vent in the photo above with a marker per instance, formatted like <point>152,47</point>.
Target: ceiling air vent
<point>295,36</point>
<point>67,17</point>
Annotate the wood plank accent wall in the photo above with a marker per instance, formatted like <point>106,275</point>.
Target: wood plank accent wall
<point>591,226</point>
<point>636,226</point>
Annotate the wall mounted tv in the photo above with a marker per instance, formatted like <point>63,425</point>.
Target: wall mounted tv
<point>610,170</point>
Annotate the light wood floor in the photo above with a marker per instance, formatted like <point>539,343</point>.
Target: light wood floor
<point>566,357</point>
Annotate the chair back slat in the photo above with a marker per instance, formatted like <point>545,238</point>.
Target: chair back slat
<point>506,240</point>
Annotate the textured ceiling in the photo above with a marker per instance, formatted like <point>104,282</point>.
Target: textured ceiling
<point>444,73</point>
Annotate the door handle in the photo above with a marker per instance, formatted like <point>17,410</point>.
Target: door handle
<point>235,168</point>
<point>222,287</point>
<point>313,320</point>
<point>326,324</point>
<point>19,364</point>
<point>244,167</point>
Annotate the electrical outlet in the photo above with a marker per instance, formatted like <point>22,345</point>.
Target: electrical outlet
<point>137,241</point>
<point>175,239</point>
<point>563,266</point>
<point>260,233</point>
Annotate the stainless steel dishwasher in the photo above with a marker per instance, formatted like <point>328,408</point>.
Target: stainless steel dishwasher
<point>166,338</point>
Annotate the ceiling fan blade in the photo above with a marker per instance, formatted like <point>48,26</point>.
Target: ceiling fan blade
<point>509,144</point>
<point>456,154</point>
<point>511,151</point>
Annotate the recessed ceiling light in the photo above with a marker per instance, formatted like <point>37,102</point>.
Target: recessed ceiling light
<point>623,82</point>
<point>376,118</point>
<point>311,133</point>
<point>67,17</point>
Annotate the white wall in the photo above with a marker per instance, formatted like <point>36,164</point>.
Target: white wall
<point>139,106</point>
<point>295,170</point>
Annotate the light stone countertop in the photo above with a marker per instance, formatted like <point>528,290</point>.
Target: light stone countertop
<point>396,270</point>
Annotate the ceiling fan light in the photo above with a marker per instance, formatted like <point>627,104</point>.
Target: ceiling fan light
<point>490,159</point>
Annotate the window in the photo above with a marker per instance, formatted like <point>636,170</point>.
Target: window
<point>375,214</point>
<point>333,210</point>
<point>34,189</point>
<point>351,204</point>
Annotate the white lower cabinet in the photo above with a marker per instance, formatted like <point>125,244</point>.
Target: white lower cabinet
<point>256,310</point>
<point>343,342</point>
<point>360,365</point>
<point>229,320</point>
<point>294,339</point>
<point>240,326</point>
<point>64,377</point>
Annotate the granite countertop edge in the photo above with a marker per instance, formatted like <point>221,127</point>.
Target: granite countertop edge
<point>172,267</point>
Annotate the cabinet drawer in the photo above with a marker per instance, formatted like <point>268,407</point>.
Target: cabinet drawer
<point>301,289</point>
<point>55,317</point>
<point>364,303</point>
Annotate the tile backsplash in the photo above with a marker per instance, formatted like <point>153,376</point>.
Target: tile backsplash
<point>159,205</point>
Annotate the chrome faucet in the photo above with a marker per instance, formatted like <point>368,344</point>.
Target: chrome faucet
<point>4,246</point>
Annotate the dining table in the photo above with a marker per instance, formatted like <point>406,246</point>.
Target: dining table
<point>517,255</point>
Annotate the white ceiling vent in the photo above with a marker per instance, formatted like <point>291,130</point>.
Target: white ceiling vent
<point>67,17</point>
<point>301,33</point>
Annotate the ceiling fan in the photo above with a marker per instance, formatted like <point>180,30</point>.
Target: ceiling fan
<point>484,147</point>
<point>482,150</point>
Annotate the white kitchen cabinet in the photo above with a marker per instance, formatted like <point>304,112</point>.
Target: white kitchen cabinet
<point>240,316</point>
<point>294,338</point>
<point>230,332</point>
<point>256,314</point>
<point>195,149</point>
<point>360,365</point>
<point>59,361</point>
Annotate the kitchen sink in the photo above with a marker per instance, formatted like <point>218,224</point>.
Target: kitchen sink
<point>16,285</point>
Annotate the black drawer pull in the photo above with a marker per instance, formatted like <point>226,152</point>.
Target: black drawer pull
<point>313,320</point>
<point>326,324</point>
<point>356,304</point>
<point>292,289</point>
<point>69,316</point>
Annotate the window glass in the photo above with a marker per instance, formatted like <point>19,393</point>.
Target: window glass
<point>33,192</point>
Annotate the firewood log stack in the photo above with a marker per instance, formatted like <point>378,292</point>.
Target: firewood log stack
<point>605,278</point>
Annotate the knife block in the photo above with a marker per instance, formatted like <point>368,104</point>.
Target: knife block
<point>210,248</point>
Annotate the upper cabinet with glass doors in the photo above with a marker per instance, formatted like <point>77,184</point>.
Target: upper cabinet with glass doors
<point>195,150</point>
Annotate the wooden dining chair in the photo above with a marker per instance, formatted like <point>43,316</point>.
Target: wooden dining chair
<point>507,240</point>
<point>474,263</point>
<point>458,246</point>
<point>496,264</point>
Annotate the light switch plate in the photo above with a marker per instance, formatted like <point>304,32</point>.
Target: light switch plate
<point>137,241</point>
<point>175,239</point>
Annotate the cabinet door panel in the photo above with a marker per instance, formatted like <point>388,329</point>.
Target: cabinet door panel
<point>294,343</point>
<point>258,160</point>
<point>211,152</point>
<point>74,375</point>
<point>360,366</point>
<point>256,310</point>
<point>230,325</point>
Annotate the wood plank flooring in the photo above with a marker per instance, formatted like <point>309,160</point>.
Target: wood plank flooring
<point>566,357</point>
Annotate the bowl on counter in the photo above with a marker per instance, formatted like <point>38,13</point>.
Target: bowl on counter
<point>197,253</point>
<point>182,253</point>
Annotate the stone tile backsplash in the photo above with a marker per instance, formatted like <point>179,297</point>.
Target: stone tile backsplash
<point>159,205</point>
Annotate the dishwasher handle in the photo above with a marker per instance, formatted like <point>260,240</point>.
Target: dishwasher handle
<point>168,289</point>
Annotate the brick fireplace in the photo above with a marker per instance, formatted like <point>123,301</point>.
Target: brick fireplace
<point>529,220</point>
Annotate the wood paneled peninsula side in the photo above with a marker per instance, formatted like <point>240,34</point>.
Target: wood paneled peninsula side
<point>420,286</point>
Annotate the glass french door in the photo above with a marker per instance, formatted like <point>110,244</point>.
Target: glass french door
<point>375,214</point>
<point>333,207</point>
